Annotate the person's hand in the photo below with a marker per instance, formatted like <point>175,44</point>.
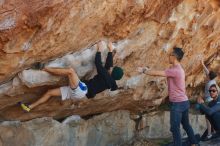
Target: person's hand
<point>201,59</point>
<point>110,46</point>
<point>99,46</point>
<point>142,69</point>
<point>200,100</point>
<point>44,69</point>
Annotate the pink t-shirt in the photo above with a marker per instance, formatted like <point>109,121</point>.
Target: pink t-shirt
<point>176,83</point>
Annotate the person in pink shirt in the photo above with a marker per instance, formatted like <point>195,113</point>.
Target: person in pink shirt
<point>177,96</point>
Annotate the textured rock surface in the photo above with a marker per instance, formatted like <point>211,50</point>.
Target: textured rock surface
<point>109,129</point>
<point>39,30</point>
<point>144,32</point>
<point>157,125</point>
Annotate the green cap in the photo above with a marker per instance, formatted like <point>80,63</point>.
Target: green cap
<point>117,73</point>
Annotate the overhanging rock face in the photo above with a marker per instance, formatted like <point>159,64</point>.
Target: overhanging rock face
<point>62,33</point>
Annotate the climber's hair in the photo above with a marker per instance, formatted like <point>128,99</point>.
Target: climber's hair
<point>178,53</point>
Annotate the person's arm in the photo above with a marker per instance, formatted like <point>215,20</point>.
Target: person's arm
<point>205,68</point>
<point>98,63</point>
<point>114,87</point>
<point>155,73</point>
<point>109,59</point>
<point>209,111</point>
<point>166,73</point>
<point>99,67</point>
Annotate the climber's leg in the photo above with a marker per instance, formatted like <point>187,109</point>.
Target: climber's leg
<point>43,99</point>
<point>73,77</point>
<point>76,88</point>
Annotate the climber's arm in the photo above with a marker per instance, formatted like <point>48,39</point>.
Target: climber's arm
<point>205,68</point>
<point>109,59</point>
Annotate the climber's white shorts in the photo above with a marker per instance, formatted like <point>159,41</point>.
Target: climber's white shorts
<point>79,92</point>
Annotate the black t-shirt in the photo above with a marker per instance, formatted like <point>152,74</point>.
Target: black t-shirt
<point>103,79</point>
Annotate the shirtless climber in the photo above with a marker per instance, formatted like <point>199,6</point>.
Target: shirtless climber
<point>105,79</point>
